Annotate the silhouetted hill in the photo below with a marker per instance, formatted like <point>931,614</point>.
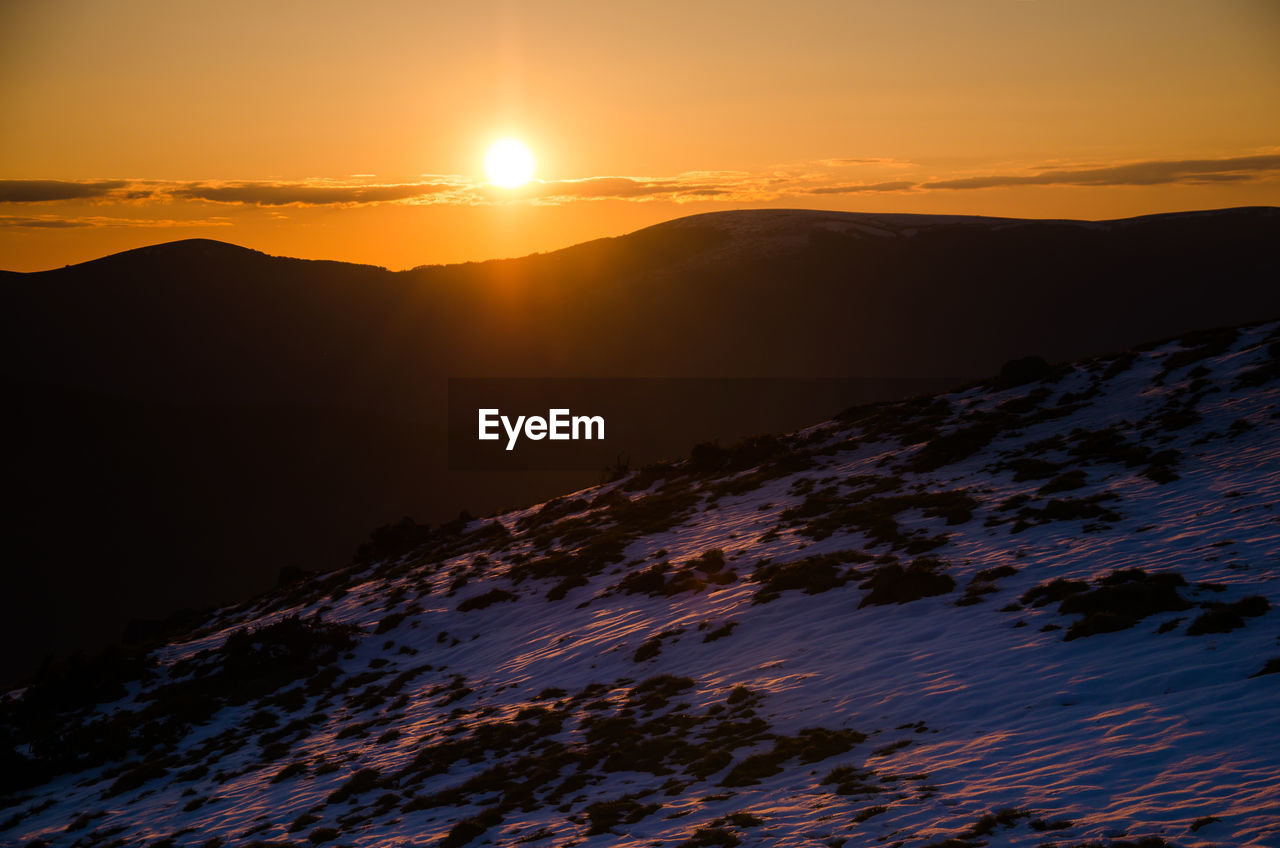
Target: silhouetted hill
<point>192,414</point>
<point>838,294</point>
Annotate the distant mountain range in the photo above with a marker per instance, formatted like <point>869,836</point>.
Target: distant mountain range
<point>192,416</point>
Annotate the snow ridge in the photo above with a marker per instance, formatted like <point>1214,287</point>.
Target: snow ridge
<point>1034,611</point>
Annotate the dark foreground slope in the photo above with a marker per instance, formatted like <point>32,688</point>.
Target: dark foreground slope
<point>1036,611</point>
<point>192,416</point>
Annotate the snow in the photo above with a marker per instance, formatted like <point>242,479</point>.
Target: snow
<point>1125,734</point>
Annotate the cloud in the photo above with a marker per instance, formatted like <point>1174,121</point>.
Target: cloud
<point>849,162</point>
<point>239,192</point>
<point>855,188</point>
<point>1155,172</point>
<point>39,222</point>
<point>613,187</point>
<point>698,185</point>
<point>443,189</point>
<point>258,193</point>
<point>820,179</point>
<point>46,191</point>
<point>52,222</point>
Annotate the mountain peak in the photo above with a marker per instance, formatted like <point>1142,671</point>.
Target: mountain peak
<point>193,251</point>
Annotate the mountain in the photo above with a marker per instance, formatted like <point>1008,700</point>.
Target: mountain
<point>191,416</point>
<point>841,294</point>
<point>1036,610</point>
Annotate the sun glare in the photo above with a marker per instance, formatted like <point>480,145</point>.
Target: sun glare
<point>509,163</point>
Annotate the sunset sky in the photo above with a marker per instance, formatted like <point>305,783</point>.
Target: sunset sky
<point>358,131</point>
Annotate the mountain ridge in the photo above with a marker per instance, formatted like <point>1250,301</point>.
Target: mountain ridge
<point>203,245</point>
<point>221,363</point>
<point>812,215</point>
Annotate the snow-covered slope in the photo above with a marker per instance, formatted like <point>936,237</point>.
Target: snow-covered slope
<point>1033,611</point>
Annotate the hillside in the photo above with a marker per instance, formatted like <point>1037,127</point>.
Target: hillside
<point>1035,610</point>
<point>191,416</point>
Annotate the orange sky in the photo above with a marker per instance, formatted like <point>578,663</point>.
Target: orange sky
<point>357,131</point>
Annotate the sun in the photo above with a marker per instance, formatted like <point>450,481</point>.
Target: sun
<point>509,163</point>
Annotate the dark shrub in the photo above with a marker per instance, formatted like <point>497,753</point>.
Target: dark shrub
<point>558,591</point>
<point>660,580</point>
<point>489,598</point>
<point>720,632</point>
<point>708,457</point>
<point>985,826</point>
<point>1098,622</point>
<point>983,583</point>
<point>290,575</point>
<point>707,765</point>
<point>392,541</point>
<point>893,584</point>
<point>135,777</point>
<point>1161,473</point>
<point>1272,666</point>
<point>809,745</point>
<point>709,561</point>
<point>1119,364</point>
<point>1123,599</point>
<point>620,468</point>
<point>811,575</point>
<point>1064,483</point>
<point>1042,825</point>
<point>995,572</point>
<point>1252,606</point>
<point>817,743</point>
<point>955,446</point>
<point>362,781</point>
<point>1068,509</point>
<point>551,512</point>
<point>1223,618</point>
<point>655,692</point>
<point>1019,372</point>
<point>390,622</point>
<point>80,681</point>
<point>707,837</point>
<point>1025,469</point>
<point>853,781</point>
<point>471,829</point>
<point>648,650</point>
<point>291,643</point>
<point>649,581</point>
<point>1053,592</point>
<point>604,815</point>
<point>1203,821</point>
<point>291,770</point>
<point>1141,842</point>
<point>753,769</point>
<point>1200,345</point>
